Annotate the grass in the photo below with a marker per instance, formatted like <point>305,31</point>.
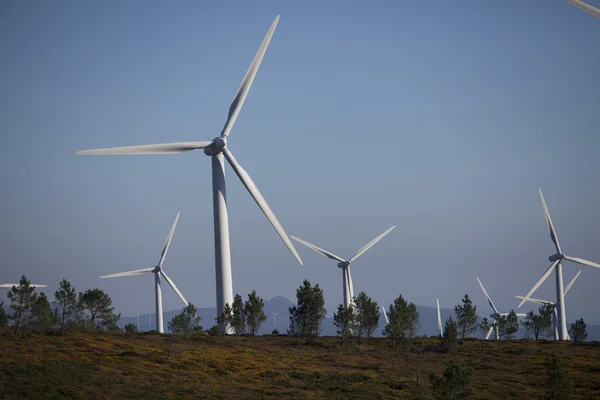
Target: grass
<point>119,365</point>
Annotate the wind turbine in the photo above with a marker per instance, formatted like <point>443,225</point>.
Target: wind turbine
<point>345,264</point>
<point>554,313</point>
<point>218,150</point>
<point>585,7</point>
<point>556,260</point>
<point>439,315</point>
<point>275,314</point>
<point>158,273</point>
<point>495,314</point>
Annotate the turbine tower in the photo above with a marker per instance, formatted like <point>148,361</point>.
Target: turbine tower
<point>586,7</point>
<point>218,150</point>
<point>158,273</point>
<point>439,317</point>
<point>554,313</point>
<point>495,315</point>
<point>556,260</point>
<point>345,264</point>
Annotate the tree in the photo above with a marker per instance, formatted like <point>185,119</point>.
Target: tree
<point>238,320</point>
<point>68,312</point>
<point>254,313</point>
<point>367,315</point>
<point>21,299</point>
<point>42,317</point>
<point>226,317</point>
<point>345,321</point>
<point>466,317</point>
<point>536,324</point>
<point>3,316</point>
<point>98,305</point>
<point>558,383</point>
<point>214,330</point>
<point>508,325</point>
<point>455,382</point>
<point>131,328</point>
<point>578,331</point>
<point>307,316</point>
<point>181,326</point>
<point>484,327</point>
<point>450,336</point>
<point>403,320</point>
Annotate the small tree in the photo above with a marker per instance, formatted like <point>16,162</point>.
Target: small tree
<point>466,317</point>
<point>226,317</point>
<point>455,382</point>
<point>450,336</point>
<point>98,305</point>
<point>3,316</point>
<point>403,321</point>
<point>558,384</point>
<point>238,321</point>
<point>214,330</point>
<point>68,312</point>
<point>345,321</point>
<point>131,328</point>
<point>307,316</point>
<point>22,298</point>
<point>367,315</point>
<point>181,326</point>
<point>484,327</point>
<point>42,317</point>
<point>509,325</point>
<point>578,331</point>
<point>254,313</point>
<point>536,324</point>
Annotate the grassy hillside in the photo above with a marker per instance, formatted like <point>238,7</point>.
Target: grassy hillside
<point>119,365</point>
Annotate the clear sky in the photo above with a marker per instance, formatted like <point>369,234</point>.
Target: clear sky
<point>442,117</point>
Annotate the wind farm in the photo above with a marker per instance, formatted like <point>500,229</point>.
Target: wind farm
<point>442,121</point>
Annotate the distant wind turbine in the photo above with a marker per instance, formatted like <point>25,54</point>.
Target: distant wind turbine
<point>345,264</point>
<point>556,260</point>
<point>439,317</point>
<point>275,319</point>
<point>495,314</point>
<point>158,273</point>
<point>219,151</point>
<point>585,7</point>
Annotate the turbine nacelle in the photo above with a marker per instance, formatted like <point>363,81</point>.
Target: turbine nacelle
<point>156,269</point>
<point>344,264</point>
<point>556,257</point>
<point>218,145</point>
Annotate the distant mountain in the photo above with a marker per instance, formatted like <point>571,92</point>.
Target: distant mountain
<point>280,305</point>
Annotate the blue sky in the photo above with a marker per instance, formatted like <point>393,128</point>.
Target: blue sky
<point>442,117</point>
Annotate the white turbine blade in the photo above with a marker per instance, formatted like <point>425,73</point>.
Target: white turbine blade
<point>129,273</point>
<point>491,330</point>
<point>520,315</point>
<point>172,284</point>
<point>387,321</point>
<point>260,200</point>
<point>571,283</point>
<point>350,285</point>
<point>168,242</point>
<point>537,301</point>
<point>318,249</point>
<point>370,244</point>
<point>163,148</point>
<point>582,262</point>
<point>242,91</point>
<point>487,296</point>
<point>439,317</point>
<point>585,7</point>
<point>10,285</point>
<point>549,222</point>
<point>539,282</point>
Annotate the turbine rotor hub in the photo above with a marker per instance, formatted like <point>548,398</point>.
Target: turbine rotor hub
<point>556,257</point>
<point>343,264</point>
<point>217,146</point>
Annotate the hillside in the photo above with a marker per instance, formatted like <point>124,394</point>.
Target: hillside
<point>119,365</point>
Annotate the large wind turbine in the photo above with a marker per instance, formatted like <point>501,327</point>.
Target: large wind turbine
<point>218,150</point>
<point>439,317</point>
<point>345,264</point>
<point>585,7</point>
<point>554,313</point>
<point>495,314</point>
<point>158,273</point>
<point>556,260</point>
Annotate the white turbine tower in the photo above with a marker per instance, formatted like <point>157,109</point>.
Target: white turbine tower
<point>345,264</point>
<point>439,318</point>
<point>495,314</point>
<point>554,313</point>
<point>218,150</point>
<point>585,7</point>
<point>158,274</point>
<point>556,260</point>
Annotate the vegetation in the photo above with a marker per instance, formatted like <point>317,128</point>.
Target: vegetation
<point>450,337</point>
<point>42,317</point>
<point>578,331</point>
<point>466,318</point>
<point>345,321</point>
<point>558,384</point>
<point>131,328</point>
<point>367,315</point>
<point>404,321</point>
<point>454,383</point>
<point>253,312</point>
<point>98,305</point>
<point>307,316</point>
<point>540,323</point>
<point>182,326</point>
<point>3,316</point>
<point>68,313</point>
<point>508,325</point>
<point>21,298</point>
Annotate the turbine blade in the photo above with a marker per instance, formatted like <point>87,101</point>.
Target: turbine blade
<point>537,301</point>
<point>370,244</point>
<point>129,273</point>
<point>539,282</point>
<point>582,262</point>
<point>585,7</point>
<point>10,285</point>
<point>571,283</point>
<point>172,284</point>
<point>168,242</point>
<point>163,148</point>
<point>487,296</point>
<point>242,92</point>
<point>350,285</point>
<point>439,317</point>
<point>550,225</point>
<point>387,321</point>
<point>520,315</point>
<point>260,200</point>
<point>491,330</point>
<point>318,249</point>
